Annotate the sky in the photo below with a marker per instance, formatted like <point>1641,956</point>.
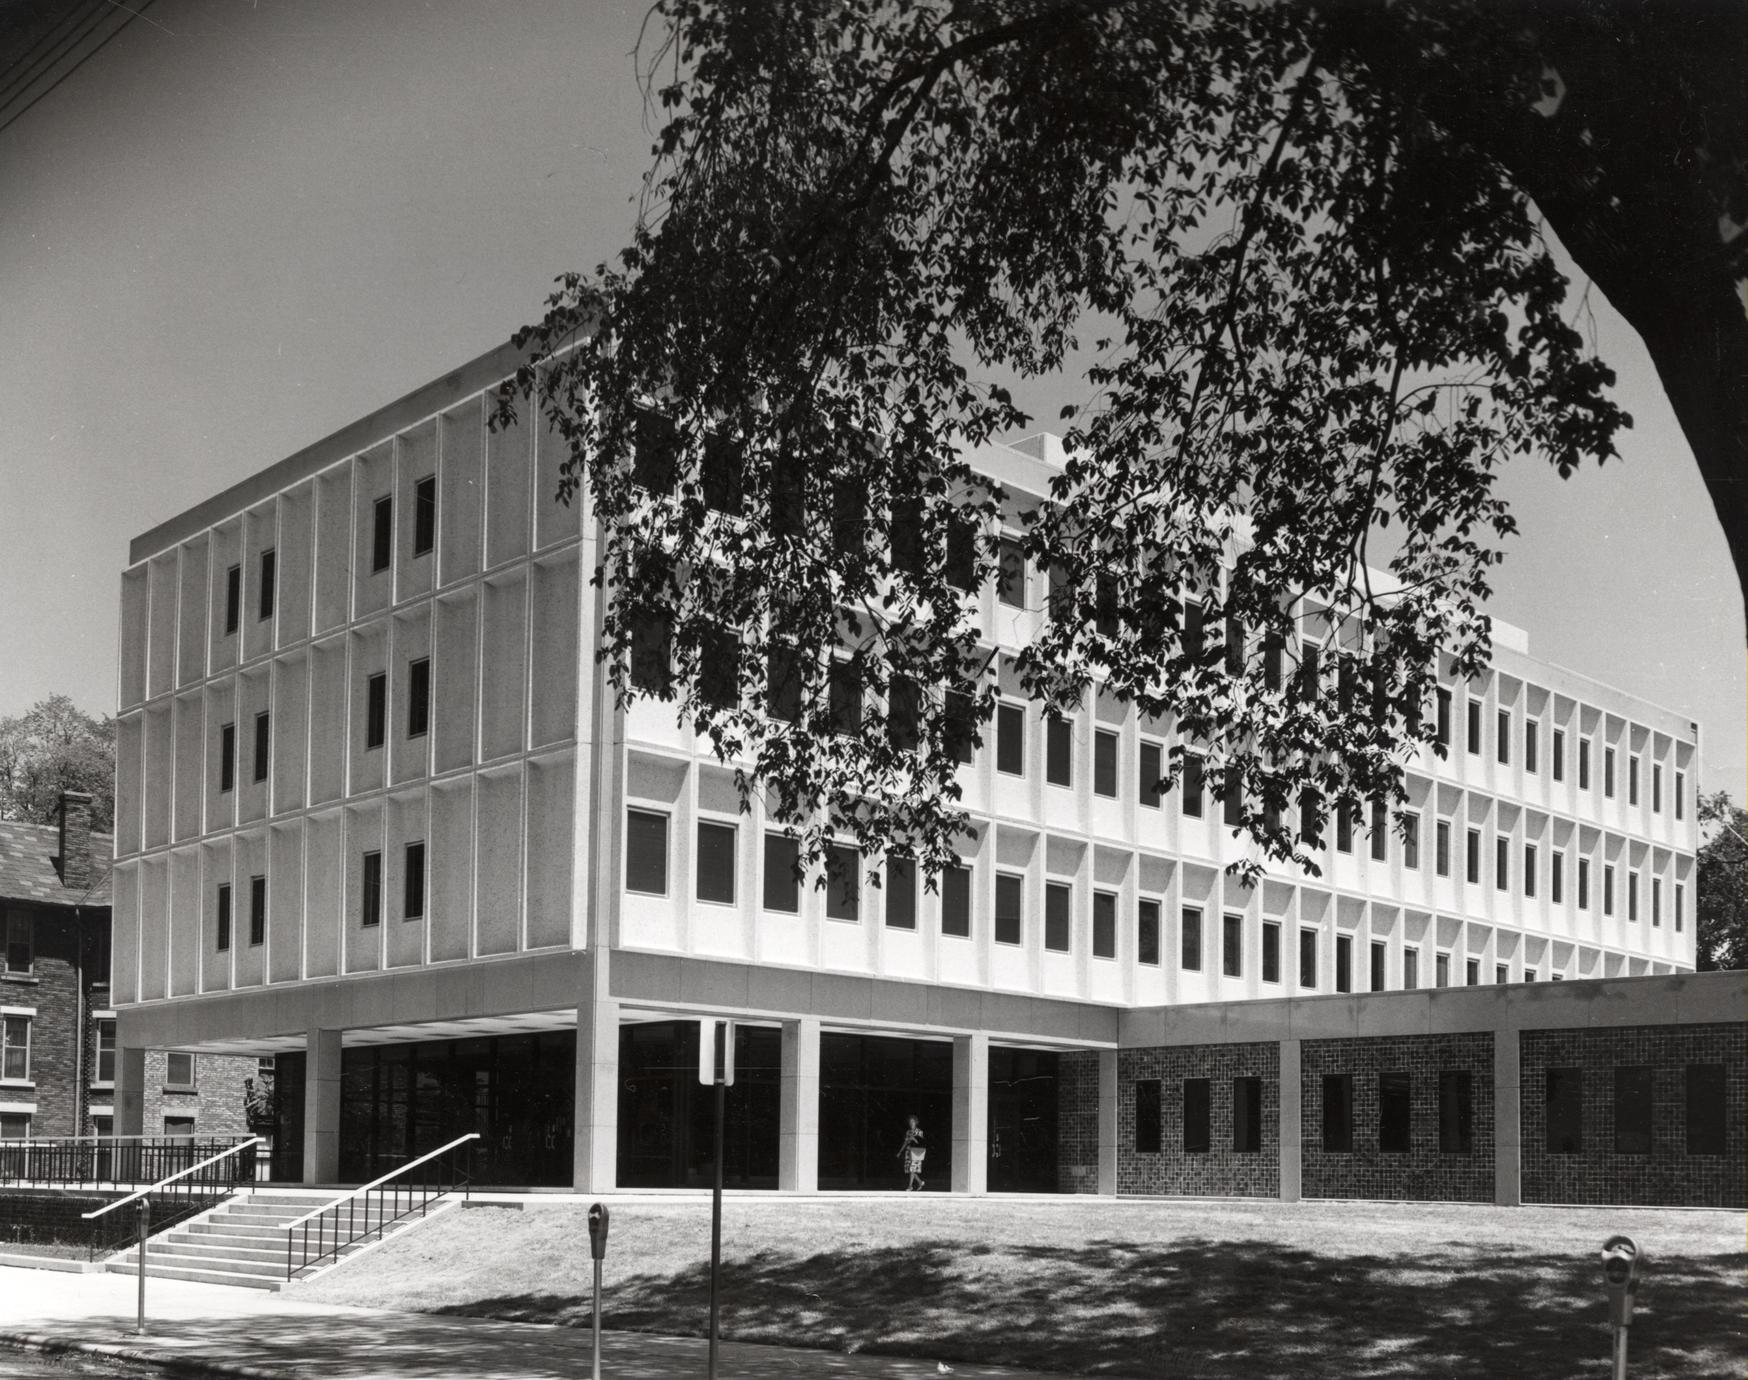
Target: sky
<point>246,223</point>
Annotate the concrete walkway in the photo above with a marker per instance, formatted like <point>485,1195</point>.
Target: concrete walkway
<point>214,1330</point>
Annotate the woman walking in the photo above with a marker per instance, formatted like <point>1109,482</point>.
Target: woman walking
<point>911,1152</point>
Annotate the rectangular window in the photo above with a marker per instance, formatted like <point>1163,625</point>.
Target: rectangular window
<point>956,902</point>
<point>1584,764</point>
<point>1058,752</point>
<point>1104,924</point>
<point>1529,869</point>
<point>15,1048</point>
<point>1441,971</point>
<point>1502,863</point>
<point>1456,1112</point>
<point>1395,1112</point>
<point>715,867</point>
<point>1680,906</point>
<point>1010,584</point>
<point>180,1127</point>
<point>784,672</point>
<point>1232,946</point>
<point>1632,780</point>
<point>1193,787</point>
<point>900,893</point>
<point>425,515</point>
<point>1443,700</point>
<point>179,1073</point>
<point>228,757</point>
<point>722,474</point>
<point>1584,884</point>
<point>1343,827</point>
<point>1441,845</point>
<point>1380,831</point>
<point>844,686</point>
<point>222,941</point>
<point>1149,1124</point>
<point>1338,1114</point>
<point>20,942</point>
<point>1010,739</point>
<point>1010,892</point>
<point>1104,763</point>
<point>376,710</point>
<point>1410,969</point>
<point>1247,1115</point>
<point>1472,862</point>
<point>719,670</point>
<point>1706,1106</point>
<point>1656,788</point>
<point>1557,877</point>
<point>382,535</point>
<point>782,887</point>
<point>264,595</point>
<point>1197,1118</point>
<point>1472,973</point>
<point>960,728</point>
<point>843,882</point>
<point>16,1125</point>
<point>419,698</point>
<point>1531,731</point>
<point>652,646</point>
<point>1474,727</point>
<point>1607,889</point>
<point>1411,841</point>
<point>1271,951</point>
<point>1058,902</point>
<point>370,894</point>
<point>646,852</point>
<point>1152,770</point>
<point>257,910</point>
<point>1634,1103</point>
<point>1633,896</point>
<point>263,744</point>
<point>233,598</point>
<point>1307,958</point>
<point>1564,1101</point>
<point>903,713</point>
<point>1680,793</point>
<point>1656,902</point>
<point>1608,772</point>
<point>1502,738</point>
<point>1191,957</point>
<point>106,1050</point>
<point>1380,957</point>
<point>1147,932</point>
<point>1558,755</point>
<point>1343,963</point>
<point>1501,974</point>
<point>413,882</point>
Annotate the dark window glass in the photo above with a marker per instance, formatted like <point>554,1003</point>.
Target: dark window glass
<point>1058,753</point>
<point>1456,1112</point>
<point>1343,827</point>
<point>961,570</point>
<point>1191,925</point>
<point>1632,780</point>
<point>656,454</point>
<point>1233,643</point>
<point>1608,772</point>
<point>375,710</point>
<point>788,498</point>
<point>783,683</point>
<point>1472,973</point>
<point>1557,878</point>
<point>424,516</point>
<point>1607,889</point>
<point>1395,1113</point>
<point>905,536</point>
<point>1247,1115</point>
<point>370,894</point>
<point>1195,631</point>
<point>1410,969</point>
<point>1343,963</point>
<point>1502,863</point>
<point>1530,745</point>
<point>1151,771</point>
<point>224,917</point>
<point>228,757</point>
<point>1380,956</point>
<point>1705,1109</point>
<point>1557,753</point>
<point>646,852</point>
<point>233,598</point>
<point>1232,946</point>
<point>419,698</point>
<point>1502,737</point>
<point>1271,951</point>
<point>1444,717</point>
<point>1442,848</point>
<point>1310,832</point>
<point>1565,1111</point>
<point>843,882</point>
<point>719,669</point>
<point>1584,884</point>
<point>1010,739</point>
<point>1104,925</point>
<point>722,477</point>
<point>1529,869</point>
<point>716,862</point>
<point>1380,831</point>
<point>1011,580</point>
<point>1441,971</point>
<point>382,535</point>
<point>413,884</point>
<point>1057,906</point>
<point>1307,958</point>
<point>1634,1103</point>
<point>900,893</point>
<point>257,910</point>
<point>1273,658</point>
<point>1472,862</point>
<point>850,516</point>
<point>1337,1113</point>
<point>1193,787</point>
<point>105,1055</point>
<point>1656,788</point>
<point>956,902</point>
<point>1410,841</point>
<point>1310,673</point>
<point>1148,1121</point>
<point>264,595</point>
<point>179,1072</point>
<point>846,696</point>
<point>1474,727</point>
<point>1197,1116</point>
<point>263,745</point>
<point>1583,764</point>
<point>1104,763</point>
<point>1147,932</point>
<point>1232,799</point>
<point>903,714</point>
<point>782,889</point>
<point>652,652</point>
<point>960,729</point>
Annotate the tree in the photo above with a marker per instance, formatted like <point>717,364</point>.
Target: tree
<point>1721,887</point>
<point>56,747</point>
<point>1325,316</point>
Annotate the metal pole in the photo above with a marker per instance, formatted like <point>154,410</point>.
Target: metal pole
<point>1620,1353</point>
<point>716,1202</point>
<point>145,1214</point>
<point>596,1372</point>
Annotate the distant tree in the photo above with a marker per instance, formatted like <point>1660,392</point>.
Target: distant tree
<point>56,747</point>
<point>1721,890</point>
<point>1310,241</point>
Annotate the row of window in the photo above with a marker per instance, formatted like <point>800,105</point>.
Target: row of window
<point>1635,1106</point>
<point>370,897</point>
<point>381,552</point>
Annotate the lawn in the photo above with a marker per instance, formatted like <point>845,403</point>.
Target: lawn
<point>1197,1290</point>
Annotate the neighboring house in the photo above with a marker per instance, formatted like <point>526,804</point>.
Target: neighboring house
<point>57,1027</point>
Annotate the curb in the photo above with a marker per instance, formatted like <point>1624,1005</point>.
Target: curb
<point>169,1365</point>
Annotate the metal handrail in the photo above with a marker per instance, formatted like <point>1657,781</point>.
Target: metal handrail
<point>180,1174</point>
<point>362,1189</point>
<point>99,1160</point>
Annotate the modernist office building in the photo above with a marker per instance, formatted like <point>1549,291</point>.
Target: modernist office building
<point>377,816</point>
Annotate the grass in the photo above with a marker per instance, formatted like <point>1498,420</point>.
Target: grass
<point>1199,1290</point>
<point>56,1248</point>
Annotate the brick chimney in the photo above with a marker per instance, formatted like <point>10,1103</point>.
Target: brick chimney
<point>76,873</point>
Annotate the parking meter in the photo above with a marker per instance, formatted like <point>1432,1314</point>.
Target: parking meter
<point>1620,1272</point>
<point>598,1216</point>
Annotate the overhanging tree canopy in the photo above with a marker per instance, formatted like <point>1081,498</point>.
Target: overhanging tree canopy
<point>1326,317</point>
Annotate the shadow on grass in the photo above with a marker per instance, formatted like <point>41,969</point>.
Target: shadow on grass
<point>1196,1310</point>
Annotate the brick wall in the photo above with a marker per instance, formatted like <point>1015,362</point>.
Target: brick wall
<point>1668,1175</point>
<point>1424,1173</point>
<point>216,1101</point>
<point>52,989</point>
<point>1221,1171</point>
<point>1077,1122</point>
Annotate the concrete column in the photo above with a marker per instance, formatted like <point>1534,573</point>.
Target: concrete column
<point>321,1107</point>
<point>130,1090</point>
<point>595,1147</point>
<point>1291,1131</point>
<point>970,1114</point>
<point>798,1108</point>
<point>1108,1121</point>
<point>1507,1120</point>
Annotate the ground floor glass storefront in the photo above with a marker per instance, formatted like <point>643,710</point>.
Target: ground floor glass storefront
<point>667,1117</point>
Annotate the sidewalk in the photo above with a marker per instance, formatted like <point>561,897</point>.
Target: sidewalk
<point>213,1329</point>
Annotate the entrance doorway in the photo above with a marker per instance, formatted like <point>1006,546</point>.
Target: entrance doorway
<point>1022,1120</point>
<point>868,1086</point>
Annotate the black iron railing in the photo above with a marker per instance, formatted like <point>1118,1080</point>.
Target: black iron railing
<point>112,1161</point>
<point>183,1194</point>
<point>372,1208</point>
